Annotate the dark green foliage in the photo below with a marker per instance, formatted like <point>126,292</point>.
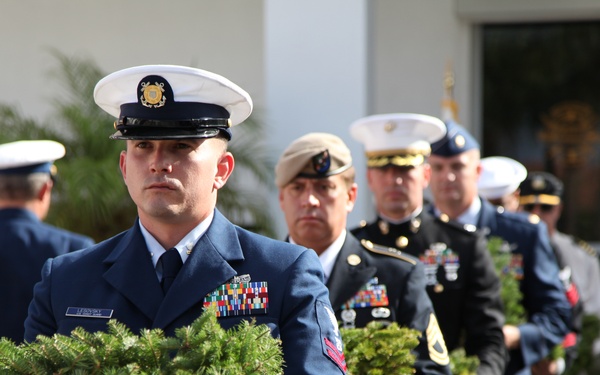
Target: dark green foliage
<point>585,363</point>
<point>378,349</point>
<point>201,348</point>
<point>461,364</point>
<point>511,292</point>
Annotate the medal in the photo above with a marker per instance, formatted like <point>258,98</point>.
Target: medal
<point>349,318</point>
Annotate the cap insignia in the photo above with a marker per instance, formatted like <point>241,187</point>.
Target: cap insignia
<point>538,183</point>
<point>152,95</point>
<point>460,141</point>
<point>389,126</point>
<point>321,162</point>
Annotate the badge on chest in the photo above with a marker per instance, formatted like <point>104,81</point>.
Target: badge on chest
<point>372,295</point>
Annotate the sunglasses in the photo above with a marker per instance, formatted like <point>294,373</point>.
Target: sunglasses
<point>543,207</point>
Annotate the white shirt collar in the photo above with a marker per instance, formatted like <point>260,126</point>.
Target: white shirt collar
<point>471,215</point>
<point>330,254</point>
<point>184,246</point>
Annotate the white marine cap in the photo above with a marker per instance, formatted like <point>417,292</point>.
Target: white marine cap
<point>170,101</point>
<point>401,139</point>
<point>500,176</point>
<point>31,156</point>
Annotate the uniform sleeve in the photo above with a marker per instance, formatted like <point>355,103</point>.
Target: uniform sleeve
<point>548,308</point>
<point>310,336</point>
<point>415,310</point>
<point>40,319</point>
<point>484,313</point>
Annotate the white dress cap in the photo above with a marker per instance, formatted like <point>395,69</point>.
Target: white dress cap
<point>500,176</point>
<point>397,133</point>
<point>29,156</point>
<point>170,101</point>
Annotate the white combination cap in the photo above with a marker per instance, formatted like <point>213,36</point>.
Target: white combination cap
<point>170,101</point>
<point>500,176</point>
<point>401,139</point>
<point>31,156</point>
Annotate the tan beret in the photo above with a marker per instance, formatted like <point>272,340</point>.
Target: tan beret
<point>314,155</point>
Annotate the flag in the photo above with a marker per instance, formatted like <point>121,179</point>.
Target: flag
<point>449,105</point>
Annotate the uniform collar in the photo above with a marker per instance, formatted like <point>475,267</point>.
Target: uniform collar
<point>184,246</point>
<point>403,220</point>
<point>470,216</point>
<point>330,254</point>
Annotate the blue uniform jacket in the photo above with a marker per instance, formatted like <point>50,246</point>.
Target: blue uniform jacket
<point>408,304</point>
<point>117,276</point>
<point>548,310</point>
<point>27,243</point>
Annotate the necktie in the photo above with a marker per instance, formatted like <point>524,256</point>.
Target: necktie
<point>171,264</point>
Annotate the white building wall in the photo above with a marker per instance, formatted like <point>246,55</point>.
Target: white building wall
<point>309,65</point>
<point>224,36</point>
<point>316,74</point>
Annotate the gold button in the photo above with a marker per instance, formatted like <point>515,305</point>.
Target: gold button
<point>401,242</point>
<point>438,288</point>
<point>353,260</point>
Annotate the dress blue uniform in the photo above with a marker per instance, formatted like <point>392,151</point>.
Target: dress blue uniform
<point>27,243</point>
<point>548,310</point>
<point>26,169</point>
<point>368,267</point>
<point>156,105</point>
<point>116,279</point>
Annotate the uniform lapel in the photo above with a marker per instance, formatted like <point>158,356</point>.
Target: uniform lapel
<point>206,268</point>
<point>133,274</point>
<point>346,279</point>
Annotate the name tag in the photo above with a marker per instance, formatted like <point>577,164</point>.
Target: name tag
<point>89,312</point>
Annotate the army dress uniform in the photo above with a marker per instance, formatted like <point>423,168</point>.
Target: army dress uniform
<point>370,282</point>
<point>245,275</point>
<point>366,282</point>
<point>461,282</point>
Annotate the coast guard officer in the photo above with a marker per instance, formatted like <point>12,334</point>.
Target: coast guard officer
<point>366,281</point>
<point>455,169</point>
<point>26,183</point>
<point>182,255</point>
<point>460,276</point>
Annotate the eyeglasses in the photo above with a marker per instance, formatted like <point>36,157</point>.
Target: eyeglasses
<point>545,208</point>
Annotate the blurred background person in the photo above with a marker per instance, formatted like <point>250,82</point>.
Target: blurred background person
<point>366,282</point>
<point>26,181</point>
<point>541,194</point>
<point>455,171</point>
<point>462,282</point>
<point>499,181</point>
<point>499,184</point>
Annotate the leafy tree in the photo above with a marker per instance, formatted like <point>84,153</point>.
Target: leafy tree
<point>90,196</point>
